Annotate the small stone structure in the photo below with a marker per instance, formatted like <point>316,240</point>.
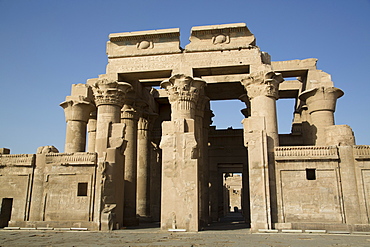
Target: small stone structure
<point>152,155</point>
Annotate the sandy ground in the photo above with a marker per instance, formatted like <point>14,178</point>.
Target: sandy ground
<point>229,232</point>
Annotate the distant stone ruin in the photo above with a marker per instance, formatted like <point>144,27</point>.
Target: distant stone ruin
<point>140,146</point>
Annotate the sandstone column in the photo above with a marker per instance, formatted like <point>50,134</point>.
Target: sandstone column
<point>180,162</point>
<point>77,108</point>
<point>91,130</point>
<point>321,104</point>
<point>207,121</point>
<point>109,96</point>
<point>143,164</point>
<point>130,118</point>
<point>201,133</point>
<point>260,137</point>
<point>262,91</point>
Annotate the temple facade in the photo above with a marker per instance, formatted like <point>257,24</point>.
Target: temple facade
<point>140,146</point>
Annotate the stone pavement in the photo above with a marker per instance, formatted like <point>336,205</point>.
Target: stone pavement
<point>230,231</point>
<point>154,237</point>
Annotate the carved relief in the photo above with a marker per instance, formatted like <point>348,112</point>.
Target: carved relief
<point>145,45</point>
<point>220,39</point>
<point>110,92</point>
<point>47,149</point>
<point>263,84</point>
<point>17,160</point>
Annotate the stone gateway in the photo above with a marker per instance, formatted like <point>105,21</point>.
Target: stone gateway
<point>140,146</point>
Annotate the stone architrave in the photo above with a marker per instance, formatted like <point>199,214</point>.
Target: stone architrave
<point>321,102</point>
<point>180,161</point>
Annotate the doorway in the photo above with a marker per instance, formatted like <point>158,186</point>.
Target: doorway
<point>6,211</point>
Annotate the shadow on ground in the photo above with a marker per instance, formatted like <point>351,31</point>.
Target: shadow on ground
<point>232,221</point>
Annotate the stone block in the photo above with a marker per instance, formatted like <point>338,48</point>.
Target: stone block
<point>11,228</point>
<point>315,231</point>
<point>268,231</point>
<point>4,151</point>
<point>62,229</point>
<point>220,37</point>
<point>154,42</point>
<point>45,228</point>
<point>291,231</point>
<point>338,232</point>
<point>341,135</point>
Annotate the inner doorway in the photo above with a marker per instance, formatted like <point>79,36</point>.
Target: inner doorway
<point>6,211</point>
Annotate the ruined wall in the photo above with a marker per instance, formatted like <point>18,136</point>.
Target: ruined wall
<point>323,187</point>
<point>49,190</point>
<point>16,176</point>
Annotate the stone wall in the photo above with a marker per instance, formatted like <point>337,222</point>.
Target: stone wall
<point>322,187</point>
<point>50,190</point>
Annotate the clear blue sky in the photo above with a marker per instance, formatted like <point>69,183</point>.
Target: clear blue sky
<point>48,45</point>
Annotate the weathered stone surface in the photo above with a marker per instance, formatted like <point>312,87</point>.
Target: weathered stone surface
<point>152,152</point>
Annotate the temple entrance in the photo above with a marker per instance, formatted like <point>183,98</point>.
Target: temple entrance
<point>233,202</point>
<point>6,211</point>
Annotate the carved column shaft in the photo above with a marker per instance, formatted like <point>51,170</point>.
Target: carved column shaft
<point>260,137</point>
<point>109,96</point>
<point>130,118</point>
<point>143,168</point>
<point>181,160</point>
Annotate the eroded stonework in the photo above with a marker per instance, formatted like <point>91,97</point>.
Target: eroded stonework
<point>150,153</point>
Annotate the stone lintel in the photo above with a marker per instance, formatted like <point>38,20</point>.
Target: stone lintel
<point>293,68</point>
<point>141,43</point>
<point>220,37</point>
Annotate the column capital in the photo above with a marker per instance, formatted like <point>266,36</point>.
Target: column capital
<point>129,112</point>
<point>321,98</point>
<point>110,92</point>
<point>77,110</point>
<point>183,94</point>
<point>183,88</point>
<point>262,83</point>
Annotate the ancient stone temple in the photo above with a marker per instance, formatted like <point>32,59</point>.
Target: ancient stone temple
<point>140,146</point>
